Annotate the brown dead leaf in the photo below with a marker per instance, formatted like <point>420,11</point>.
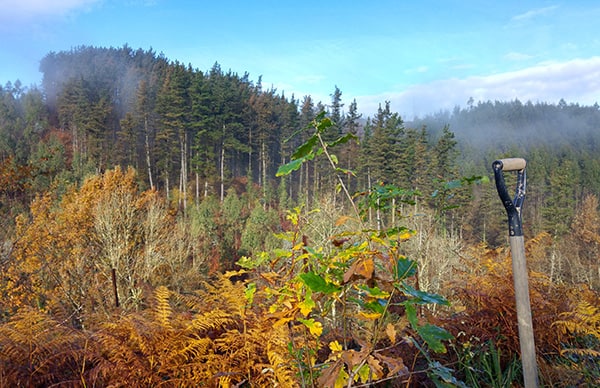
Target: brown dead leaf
<point>364,268</point>
<point>390,330</point>
<point>394,365</point>
<point>330,375</point>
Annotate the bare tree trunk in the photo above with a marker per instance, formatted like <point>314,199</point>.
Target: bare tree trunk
<point>197,188</point>
<point>114,284</point>
<point>222,167</point>
<point>183,171</point>
<point>250,152</point>
<point>315,180</point>
<point>167,184</point>
<point>307,185</point>
<point>147,146</point>
<point>369,187</point>
<point>264,170</point>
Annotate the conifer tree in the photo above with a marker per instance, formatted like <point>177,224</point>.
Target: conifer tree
<point>173,107</point>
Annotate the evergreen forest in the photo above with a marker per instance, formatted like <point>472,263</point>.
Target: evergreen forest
<point>162,225</point>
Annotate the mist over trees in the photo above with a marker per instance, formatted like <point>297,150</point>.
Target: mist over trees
<point>193,133</point>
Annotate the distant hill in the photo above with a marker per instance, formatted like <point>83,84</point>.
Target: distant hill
<point>513,124</point>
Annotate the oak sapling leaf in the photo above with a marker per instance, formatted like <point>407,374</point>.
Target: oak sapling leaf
<point>317,284</point>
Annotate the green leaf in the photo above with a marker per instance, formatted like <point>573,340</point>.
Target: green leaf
<point>342,139</point>
<point>422,297</point>
<point>404,268</point>
<point>306,148</point>
<point>317,284</point>
<point>374,292</point>
<point>319,117</point>
<point>323,124</point>
<point>477,179</point>
<point>287,168</point>
<point>363,373</point>
<point>411,314</point>
<point>442,376</point>
<point>249,292</point>
<point>434,336</point>
<point>431,334</point>
<point>374,306</point>
<point>334,158</point>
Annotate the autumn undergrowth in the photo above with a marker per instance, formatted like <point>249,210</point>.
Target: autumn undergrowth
<point>345,300</point>
<point>362,317</point>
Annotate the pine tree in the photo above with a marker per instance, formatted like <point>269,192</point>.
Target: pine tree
<point>173,107</point>
<point>563,185</point>
<point>336,114</point>
<point>350,150</point>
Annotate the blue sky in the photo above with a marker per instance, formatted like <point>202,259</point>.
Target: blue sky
<point>423,56</point>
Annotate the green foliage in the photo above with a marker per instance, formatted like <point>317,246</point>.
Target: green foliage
<point>484,366</point>
<point>315,146</point>
<point>364,275</point>
<point>258,232</point>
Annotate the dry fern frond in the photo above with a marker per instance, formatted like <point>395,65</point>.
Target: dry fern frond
<point>192,349</point>
<point>280,361</point>
<point>581,352</point>
<point>583,320</point>
<point>225,294</point>
<point>162,308</point>
<point>212,320</point>
<point>131,350</point>
<point>36,350</point>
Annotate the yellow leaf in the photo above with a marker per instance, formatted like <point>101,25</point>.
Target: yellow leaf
<point>363,373</point>
<point>369,316</point>
<point>273,308</point>
<point>281,321</point>
<point>315,327</point>
<point>335,346</point>
<point>306,305</point>
<point>342,379</point>
<point>406,235</point>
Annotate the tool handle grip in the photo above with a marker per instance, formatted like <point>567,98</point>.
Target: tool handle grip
<point>511,164</point>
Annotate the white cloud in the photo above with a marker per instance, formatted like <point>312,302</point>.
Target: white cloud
<point>576,80</point>
<point>534,13</point>
<point>30,9</point>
